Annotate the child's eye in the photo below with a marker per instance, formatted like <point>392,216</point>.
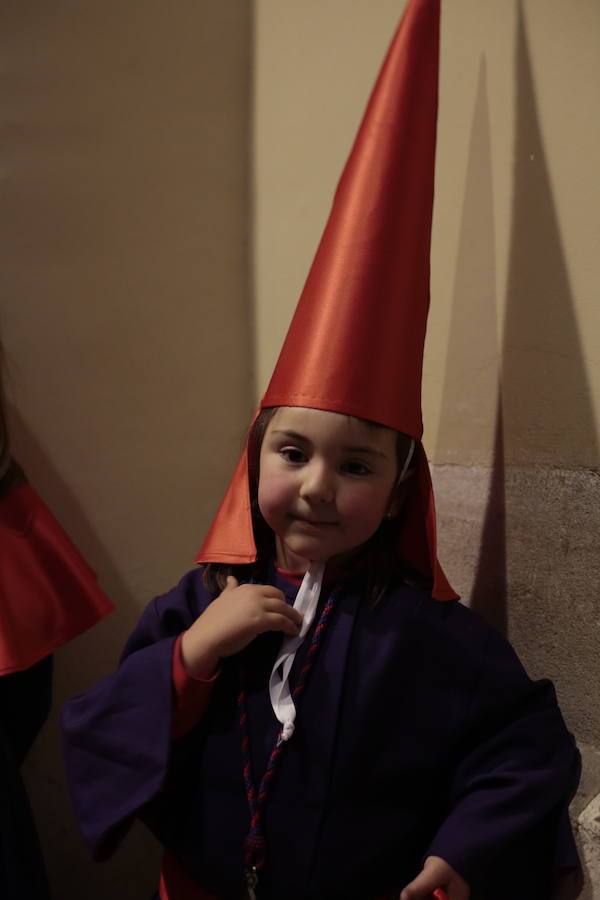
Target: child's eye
<point>354,467</point>
<point>293,455</point>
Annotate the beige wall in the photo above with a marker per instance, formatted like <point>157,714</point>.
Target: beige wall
<point>126,315</point>
<point>515,266</point>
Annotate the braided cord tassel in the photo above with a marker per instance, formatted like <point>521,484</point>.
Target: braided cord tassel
<point>314,645</point>
<point>254,847</point>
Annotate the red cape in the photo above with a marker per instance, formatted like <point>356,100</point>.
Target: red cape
<point>48,593</point>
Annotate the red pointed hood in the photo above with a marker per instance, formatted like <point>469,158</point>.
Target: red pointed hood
<point>355,344</point>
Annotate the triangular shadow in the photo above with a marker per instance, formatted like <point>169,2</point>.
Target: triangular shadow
<point>489,596</point>
<point>548,420</point>
<point>470,412</point>
<point>548,415</point>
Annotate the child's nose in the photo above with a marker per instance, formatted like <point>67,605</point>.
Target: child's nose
<point>318,485</point>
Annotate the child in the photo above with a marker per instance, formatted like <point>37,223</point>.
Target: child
<point>418,733</point>
<point>312,715</point>
<point>48,596</point>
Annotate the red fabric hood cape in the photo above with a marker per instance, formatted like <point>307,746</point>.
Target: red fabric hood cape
<point>355,344</point>
<point>48,593</point>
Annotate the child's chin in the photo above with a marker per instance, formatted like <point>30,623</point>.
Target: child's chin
<point>298,555</point>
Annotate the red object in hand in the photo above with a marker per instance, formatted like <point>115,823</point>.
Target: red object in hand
<point>439,894</point>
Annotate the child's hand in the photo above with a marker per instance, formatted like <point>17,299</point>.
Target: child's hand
<point>232,621</point>
<point>436,873</point>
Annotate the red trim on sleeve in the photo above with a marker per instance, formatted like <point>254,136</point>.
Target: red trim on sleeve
<point>190,695</point>
<point>176,884</point>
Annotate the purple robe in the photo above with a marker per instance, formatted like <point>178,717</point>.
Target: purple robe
<point>418,733</point>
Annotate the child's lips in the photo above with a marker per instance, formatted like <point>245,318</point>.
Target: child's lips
<point>314,523</point>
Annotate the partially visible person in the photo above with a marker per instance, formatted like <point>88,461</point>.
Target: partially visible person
<point>48,595</point>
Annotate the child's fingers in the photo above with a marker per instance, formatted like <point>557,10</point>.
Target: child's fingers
<point>278,622</point>
<point>288,611</point>
<point>256,590</point>
<point>273,600</point>
<point>424,888</point>
<point>275,605</point>
<point>426,885</point>
<point>267,607</point>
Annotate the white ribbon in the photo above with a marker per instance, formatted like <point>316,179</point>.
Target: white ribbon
<point>407,461</point>
<point>279,686</point>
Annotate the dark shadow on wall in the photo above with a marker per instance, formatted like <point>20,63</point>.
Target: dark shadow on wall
<point>470,407</point>
<point>471,376</point>
<point>548,417</point>
<point>533,574</point>
<point>550,440</point>
<point>99,647</point>
<point>489,596</point>
<point>64,505</point>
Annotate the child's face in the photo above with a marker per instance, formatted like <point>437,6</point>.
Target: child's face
<point>326,482</point>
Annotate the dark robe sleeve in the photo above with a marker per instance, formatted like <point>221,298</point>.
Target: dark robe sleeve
<point>25,699</point>
<point>24,704</point>
<point>507,827</point>
<point>117,736</point>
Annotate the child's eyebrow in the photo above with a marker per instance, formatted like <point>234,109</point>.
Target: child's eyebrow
<point>292,435</point>
<point>296,436</point>
<point>370,451</point>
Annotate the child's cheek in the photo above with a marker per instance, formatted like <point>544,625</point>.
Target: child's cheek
<point>362,510</point>
<point>274,496</point>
